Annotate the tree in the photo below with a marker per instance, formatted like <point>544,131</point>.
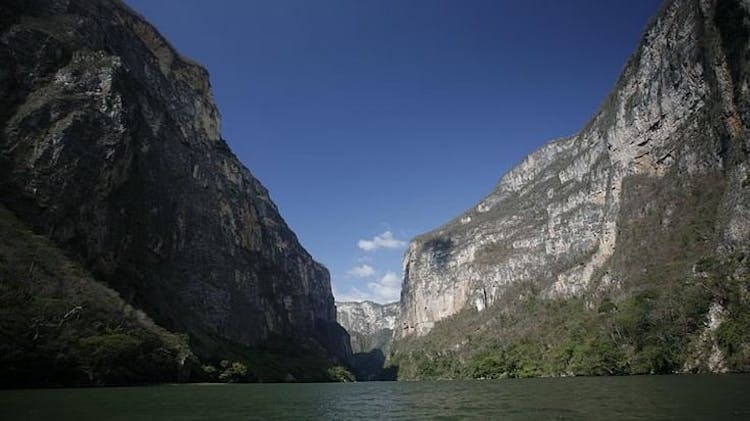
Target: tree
<point>234,372</point>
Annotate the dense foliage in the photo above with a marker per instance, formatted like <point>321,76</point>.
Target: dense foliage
<point>280,359</point>
<point>660,329</point>
<point>58,326</point>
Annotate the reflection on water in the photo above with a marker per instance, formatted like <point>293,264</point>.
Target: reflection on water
<point>644,397</point>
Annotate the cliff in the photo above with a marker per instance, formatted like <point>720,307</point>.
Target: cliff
<point>111,147</point>
<point>370,326</point>
<point>649,191</point>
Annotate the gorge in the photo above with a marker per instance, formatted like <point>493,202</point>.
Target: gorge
<point>371,327</point>
<point>136,247</point>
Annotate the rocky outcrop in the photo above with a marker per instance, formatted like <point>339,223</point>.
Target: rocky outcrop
<point>582,215</point>
<point>111,146</point>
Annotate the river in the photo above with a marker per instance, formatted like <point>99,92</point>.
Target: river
<point>714,397</point>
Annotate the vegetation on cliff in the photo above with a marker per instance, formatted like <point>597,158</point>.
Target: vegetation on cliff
<point>59,326</point>
<point>681,306</point>
<point>110,148</point>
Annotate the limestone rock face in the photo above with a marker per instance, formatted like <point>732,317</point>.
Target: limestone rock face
<point>111,146</point>
<point>369,324</point>
<point>565,220</point>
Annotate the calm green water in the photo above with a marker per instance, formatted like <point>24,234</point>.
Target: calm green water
<point>647,397</point>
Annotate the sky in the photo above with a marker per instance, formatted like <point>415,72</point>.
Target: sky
<point>372,121</point>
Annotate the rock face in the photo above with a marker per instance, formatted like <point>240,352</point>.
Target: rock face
<point>369,324</point>
<point>111,146</point>
<point>581,215</point>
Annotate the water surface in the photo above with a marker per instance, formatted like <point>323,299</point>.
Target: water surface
<point>627,398</point>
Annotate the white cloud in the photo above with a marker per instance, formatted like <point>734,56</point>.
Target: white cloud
<point>354,294</point>
<point>384,290</point>
<point>361,271</point>
<point>387,288</point>
<point>384,240</point>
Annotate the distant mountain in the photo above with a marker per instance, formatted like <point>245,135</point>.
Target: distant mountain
<point>110,147</point>
<point>370,326</point>
<point>366,322</point>
<point>621,249</point>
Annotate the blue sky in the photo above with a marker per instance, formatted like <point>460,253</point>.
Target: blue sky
<point>373,121</point>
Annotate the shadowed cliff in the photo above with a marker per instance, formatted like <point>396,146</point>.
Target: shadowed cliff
<point>111,147</point>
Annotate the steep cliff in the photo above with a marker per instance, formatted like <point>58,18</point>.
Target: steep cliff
<point>370,326</point>
<point>651,197</point>
<point>111,147</point>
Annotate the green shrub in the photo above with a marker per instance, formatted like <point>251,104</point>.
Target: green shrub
<point>110,358</point>
<point>338,373</point>
<point>233,372</point>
